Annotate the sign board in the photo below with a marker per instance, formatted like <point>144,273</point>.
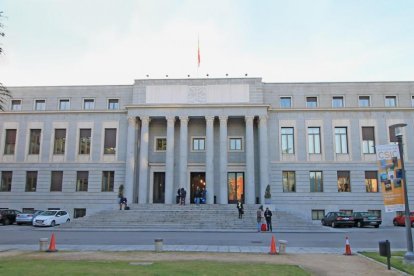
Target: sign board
<point>391,177</point>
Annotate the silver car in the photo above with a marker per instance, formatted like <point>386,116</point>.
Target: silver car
<point>52,218</point>
<point>27,218</point>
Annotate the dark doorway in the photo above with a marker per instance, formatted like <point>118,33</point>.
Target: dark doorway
<point>235,182</point>
<point>197,179</point>
<point>159,187</point>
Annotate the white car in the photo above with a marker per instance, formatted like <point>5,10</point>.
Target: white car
<point>51,218</point>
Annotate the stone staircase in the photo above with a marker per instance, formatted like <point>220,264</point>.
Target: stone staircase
<point>188,217</point>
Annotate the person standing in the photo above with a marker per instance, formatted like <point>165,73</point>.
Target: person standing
<point>178,197</point>
<point>240,208</point>
<point>259,215</point>
<point>268,217</point>
<point>183,196</point>
<point>197,196</point>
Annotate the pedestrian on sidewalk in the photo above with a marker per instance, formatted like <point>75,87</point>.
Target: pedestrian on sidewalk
<point>240,208</point>
<point>259,216</point>
<point>183,196</point>
<point>268,217</point>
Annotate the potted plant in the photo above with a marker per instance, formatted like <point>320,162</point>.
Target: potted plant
<point>268,195</point>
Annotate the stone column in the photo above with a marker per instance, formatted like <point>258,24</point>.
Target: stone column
<point>223,160</point>
<point>143,161</point>
<point>183,155</point>
<point>249,187</point>
<point>264,157</point>
<point>169,161</point>
<point>130,160</point>
<point>210,159</point>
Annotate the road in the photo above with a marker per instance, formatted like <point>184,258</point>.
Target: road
<point>359,238</point>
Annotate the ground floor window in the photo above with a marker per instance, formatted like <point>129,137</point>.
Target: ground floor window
<point>344,182</point>
<point>375,212</point>
<point>82,181</point>
<point>235,182</point>
<point>371,182</point>
<point>56,181</point>
<point>79,212</point>
<point>316,181</point>
<point>28,210</point>
<point>108,181</point>
<point>6,181</point>
<point>347,212</point>
<point>318,214</point>
<point>289,181</point>
<point>31,181</point>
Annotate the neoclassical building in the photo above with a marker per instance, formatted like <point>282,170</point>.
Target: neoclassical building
<point>313,143</point>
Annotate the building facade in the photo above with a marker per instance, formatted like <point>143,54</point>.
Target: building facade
<point>72,147</point>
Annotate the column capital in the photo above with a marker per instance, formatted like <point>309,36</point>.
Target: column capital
<point>145,119</point>
<point>249,118</point>
<point>223,118</point>
<point>170,118</point>
<point>183,119</point>
<point>132,120</point>
<point>209,119</point>
<point>263,118</point>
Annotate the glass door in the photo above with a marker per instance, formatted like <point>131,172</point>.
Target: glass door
<point>235,182</point>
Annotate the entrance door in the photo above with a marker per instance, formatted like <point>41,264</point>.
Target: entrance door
<point>159,188</point>
<point>197,179</point>
<point>235,182</point>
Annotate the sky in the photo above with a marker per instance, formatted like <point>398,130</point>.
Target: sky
<point>94,42</point>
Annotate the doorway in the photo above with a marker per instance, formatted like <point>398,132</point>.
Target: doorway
<point>158,195</point>
<point>235,182</point>
<point>198,179</point>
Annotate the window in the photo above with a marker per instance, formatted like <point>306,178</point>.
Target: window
<point>287,140</point>
<point>64,104</point>
<point>314,140</point>
<point>289,181</point>
<point>347,212</point>
<point>113,104</point>
<point>10,143</point>
<point>371,182</point>
<point>318,214</point>
<point>316,181</point>
<point>285,102</point>
<point>60,141</point>
<point>56,181</point>
<point>390,101</point>
<point>108,181</point>
<point>34,144</point>
<point>28,210</point>
<point>85,141</point>
<point>344,184</point>
<point>199,144</point>
<point>341,140</point>
<point>235,144</point>
<point>82,181</point>
<point>364,101</point>
<point>40,105</point>
<point>311,102</point>
<point>6,181</point>
<point>16,105</point>
<point>368,140</point>
<point>79,212</point>
<point>337,101</point>
<point>88,104</point>
<point>375,212</point>
<point>31,181</point>
<point>110,141</point>
<point>160,144</point>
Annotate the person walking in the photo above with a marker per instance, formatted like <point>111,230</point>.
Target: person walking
<point>268,217</point>
<point>183,195</point>
<point>240,208</point>
<point>259,215</point>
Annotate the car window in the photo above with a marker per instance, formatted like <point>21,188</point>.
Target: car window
<point>63,213</point>
<point>49,213</point>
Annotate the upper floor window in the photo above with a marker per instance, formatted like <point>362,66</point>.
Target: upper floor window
<point>344,181</point>
<point>16,105</point>
<point>337,101</point>
<point>6,181</point>
<point>108,181</point>
<point>285,102</point>
<point>40,105</point>
<point>34,143</point>
<point>85,141</point>
<point>199,144</point>
<point>341,140</point>
<point>364,101</point>
<point>82,181</point>
<point>390,101</point>
<point>314,140</point>
<point>31,181</point>
<point>60,141</point>
<point>235,144</point>
<point>56,181</point>
<point>160,144</point>
<point>88,104</point>
<point>113,104</point>
<point>371,181</point>
<point>110,141</point>
<point>64,104</point>
<point>10,143</point>
<point>412,101</point>
<point>368,140</point>
<point>316,181</point>
<point>311,102</point>
<point>289,181</point>
<point>287,140</point>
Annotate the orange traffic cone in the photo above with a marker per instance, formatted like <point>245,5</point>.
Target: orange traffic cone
<point>52,246</point>
<point>273,246</point>
<point>347,247</point>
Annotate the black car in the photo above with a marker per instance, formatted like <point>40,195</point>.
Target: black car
<point>366,219</point>
<point>335,219</point>
<point>8,216</point>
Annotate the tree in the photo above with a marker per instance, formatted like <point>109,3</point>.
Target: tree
<point>4,92</point>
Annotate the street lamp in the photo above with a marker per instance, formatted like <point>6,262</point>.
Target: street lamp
<point>396,133</point>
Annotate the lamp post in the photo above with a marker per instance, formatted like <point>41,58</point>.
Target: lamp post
<point>396,131</point>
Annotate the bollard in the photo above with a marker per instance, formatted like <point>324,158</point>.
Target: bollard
<point>43,244</point>
<point>158,245</point>
<point>282,246</point>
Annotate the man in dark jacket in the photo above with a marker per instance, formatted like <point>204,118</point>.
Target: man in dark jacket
<point>268,217</point>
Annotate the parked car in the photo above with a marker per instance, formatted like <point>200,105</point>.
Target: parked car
<point>335,219</point>
<point>399,220</point>
<point>27,218</point>
<point>366,219</point>
<point>51,218</point>
<point>8,216</point>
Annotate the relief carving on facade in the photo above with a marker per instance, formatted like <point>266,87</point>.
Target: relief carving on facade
<point>196,94</point>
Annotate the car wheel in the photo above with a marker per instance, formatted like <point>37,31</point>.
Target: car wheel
<point>359,224</point>
<point>333,225</point>
<point>53,223</point>
<point>6,221</point>
<point>395,223</point>
<point>412,224</point>
<point>68,220</point>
